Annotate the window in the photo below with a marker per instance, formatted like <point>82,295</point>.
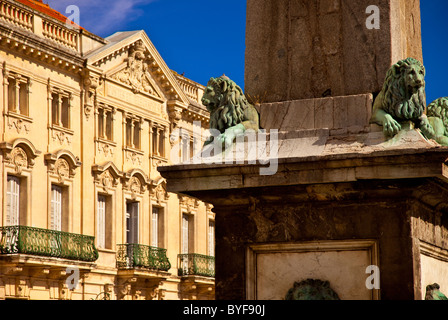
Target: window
<point>158,141</point>
<point>101,222</point>
<point>211,238</point>
<point>60,109</point>
<point>56,208</point>
<point>13,201</point>
<point>133,128</point>
<point>185,233</point>
<point>155,227</point>
<point>105,121</point>
<point>18,89</point>
<point>132,213</point>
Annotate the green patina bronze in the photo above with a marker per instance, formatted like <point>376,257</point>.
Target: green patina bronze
<point>438,118</point>
<point>311,289</point>
<point>433,293</point>
<point>47,243</point>
<point>230,112</point>
<point>402,98</point>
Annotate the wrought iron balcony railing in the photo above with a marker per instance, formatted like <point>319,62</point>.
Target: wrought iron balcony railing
<point>132,255</point>
<point>196,264</point>
<point>49,243</point>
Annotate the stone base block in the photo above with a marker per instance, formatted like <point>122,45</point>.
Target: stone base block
<point>350,113</point>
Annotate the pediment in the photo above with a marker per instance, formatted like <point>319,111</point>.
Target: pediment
<point>134,75</point>
<point>131,60</point>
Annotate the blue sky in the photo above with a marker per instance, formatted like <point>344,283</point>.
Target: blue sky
<point>206,38</point>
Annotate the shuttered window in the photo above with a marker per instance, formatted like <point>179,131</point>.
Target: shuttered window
<point>101,222</point>
<point>211,238</point>
<point>13,201</point>
<point>132,213</point>
<point>155,227</point>
<point>185,235</point>
<point>56,208</point>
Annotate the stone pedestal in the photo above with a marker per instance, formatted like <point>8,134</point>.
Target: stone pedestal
<point>342,200</point>
<point>359,214</point>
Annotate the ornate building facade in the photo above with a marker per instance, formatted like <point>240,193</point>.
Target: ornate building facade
<point>86,122</point>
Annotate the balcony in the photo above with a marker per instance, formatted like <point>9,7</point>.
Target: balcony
<point>47,243</point>
<point>130,256</point>
<point>193,264</point>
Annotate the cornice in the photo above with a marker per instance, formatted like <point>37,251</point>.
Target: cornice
<point>29,44</point>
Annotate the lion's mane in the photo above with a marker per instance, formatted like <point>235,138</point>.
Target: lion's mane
<point>395,101</point>
<point>229,104</point>
<point>439,109</point>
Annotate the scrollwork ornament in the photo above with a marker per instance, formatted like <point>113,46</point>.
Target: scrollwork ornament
<point>19,159</point>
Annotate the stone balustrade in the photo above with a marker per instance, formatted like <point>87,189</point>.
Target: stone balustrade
<point>15,15</point>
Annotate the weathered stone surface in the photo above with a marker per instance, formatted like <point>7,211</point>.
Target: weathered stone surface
<point>325,113</point>
<point>300,49</point>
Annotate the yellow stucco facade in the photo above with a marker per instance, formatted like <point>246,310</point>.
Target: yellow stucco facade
<point>85,123</point>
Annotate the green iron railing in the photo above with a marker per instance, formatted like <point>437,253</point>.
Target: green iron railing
<point>196,264</point>
<point>132,255</point>
<point>49,243</point>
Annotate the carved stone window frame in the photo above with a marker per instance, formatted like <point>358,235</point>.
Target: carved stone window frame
<point>16,119</point>
<point>18,161</point>
<point>58,132</point>
<point>107,178</point>
<point>130,144</point>
<point>109,109</point>
<point>159,198</point>
<point>189,206</point>
<point>135,184</point>
<point>61,170</point>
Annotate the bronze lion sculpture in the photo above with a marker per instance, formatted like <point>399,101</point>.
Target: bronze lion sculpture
<point>230,112</point>
<point>402,98</point>
<point>438,118</point>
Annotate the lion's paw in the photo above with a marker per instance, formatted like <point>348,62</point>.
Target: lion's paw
<point>426,128</point>
<point>390,125</point>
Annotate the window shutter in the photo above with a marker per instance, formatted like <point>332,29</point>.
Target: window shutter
<point>155,227</point>
<point>101,222</point>
<point>132,222</point>
<point>211,238</point>
<point>56,208</point>
<point>13,201</point>
<point>184,233</point>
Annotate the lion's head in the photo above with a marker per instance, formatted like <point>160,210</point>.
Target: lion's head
<point>404,90</point>
<point>225,101</point>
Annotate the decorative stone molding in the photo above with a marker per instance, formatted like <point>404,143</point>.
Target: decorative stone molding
<point>20,154</point>
<point>90,83</point>
<point>136,72</point>
<point>106,176</point>
<point>158,191</point>
<point>61,135</point>
<point>134,156</point>
<point>106,148</point>
<point>175,114</point>
<point>18,123</point>
<point>62,164</point>
<point>188,204</point>
<point>136,182</point>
